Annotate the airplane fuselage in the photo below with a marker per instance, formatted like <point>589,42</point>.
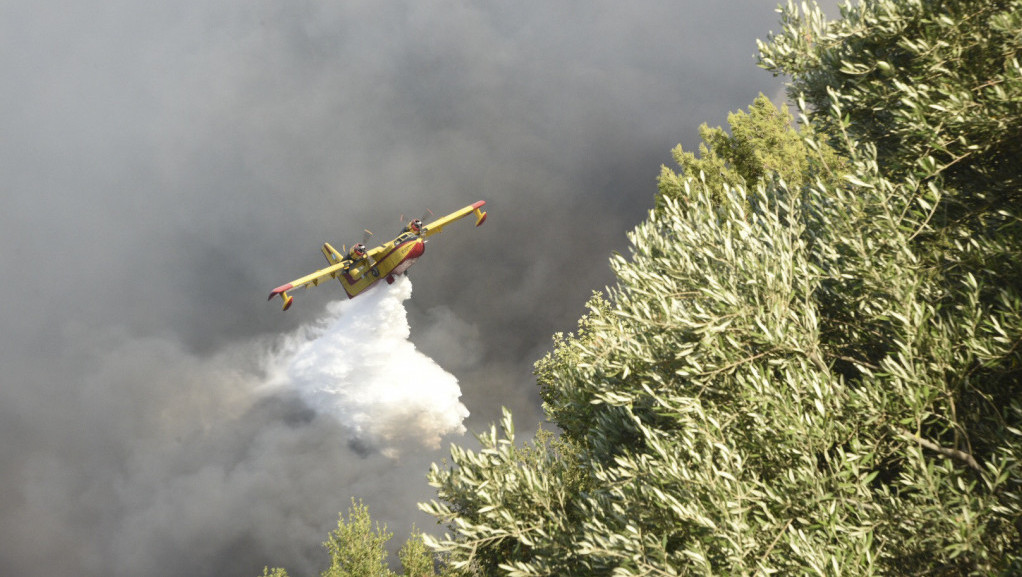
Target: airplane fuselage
<point>394,258</point>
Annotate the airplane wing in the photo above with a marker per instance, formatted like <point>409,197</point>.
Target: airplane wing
<point>323,274</point>
<point>373,256</point>
<point>439,224</point>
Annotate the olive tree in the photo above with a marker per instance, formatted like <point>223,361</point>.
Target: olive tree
<point>817,377</point>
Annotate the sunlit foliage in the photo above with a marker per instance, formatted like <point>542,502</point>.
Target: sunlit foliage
<point>818,377</point>
<point>934,85</point>
<point>762,141</point>
<point>357,548</point>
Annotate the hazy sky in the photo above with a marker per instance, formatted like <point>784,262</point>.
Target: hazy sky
<point>163,165</point>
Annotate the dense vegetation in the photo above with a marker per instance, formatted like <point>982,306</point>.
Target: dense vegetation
<point>811,362</point>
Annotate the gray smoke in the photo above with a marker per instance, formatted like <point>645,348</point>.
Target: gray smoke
<point>161,461</point>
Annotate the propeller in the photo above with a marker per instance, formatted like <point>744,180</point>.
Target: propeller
<point>422,220</point>
<point>425,215</point>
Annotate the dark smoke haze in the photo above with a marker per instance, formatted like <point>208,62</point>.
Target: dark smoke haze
<point>163,165</point>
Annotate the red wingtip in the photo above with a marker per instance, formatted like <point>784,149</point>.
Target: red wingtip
<point>479,204</point>
<point>279,290</point>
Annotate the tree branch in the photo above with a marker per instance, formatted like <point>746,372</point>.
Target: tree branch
<point>947,452</point>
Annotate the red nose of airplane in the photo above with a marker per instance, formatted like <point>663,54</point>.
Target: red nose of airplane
<point>417,250</point>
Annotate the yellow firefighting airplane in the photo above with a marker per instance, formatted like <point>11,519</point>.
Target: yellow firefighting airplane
<point>360,269</point>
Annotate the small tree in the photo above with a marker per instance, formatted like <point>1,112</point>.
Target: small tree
<point>356,548</point>
<point>416,559</point>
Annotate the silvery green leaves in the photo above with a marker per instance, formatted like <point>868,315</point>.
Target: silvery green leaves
<point>813,378</point>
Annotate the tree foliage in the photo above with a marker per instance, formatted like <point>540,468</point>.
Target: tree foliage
<point>509,503</point>
<point>417,559</point>
<point>762,142</point>
<point>814,378</point>
<point>356,548</point>
<point>934,85</point>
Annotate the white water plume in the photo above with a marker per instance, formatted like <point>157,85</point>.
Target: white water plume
<point>358,365</point>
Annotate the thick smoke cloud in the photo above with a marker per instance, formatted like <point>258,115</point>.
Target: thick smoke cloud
<point>192,464</point>
<point>165,164</point>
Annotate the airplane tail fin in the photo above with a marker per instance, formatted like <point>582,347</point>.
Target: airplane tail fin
<point>331,254</point>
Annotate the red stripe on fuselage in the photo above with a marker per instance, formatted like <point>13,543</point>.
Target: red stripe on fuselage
<point>413,253</point>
